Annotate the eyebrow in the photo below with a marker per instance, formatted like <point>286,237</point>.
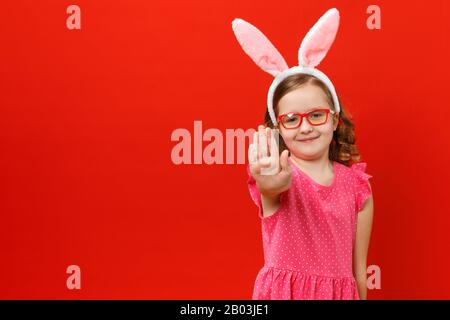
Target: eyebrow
<point>311,109</point>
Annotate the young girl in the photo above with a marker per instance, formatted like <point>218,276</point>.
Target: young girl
<point>314,200</point>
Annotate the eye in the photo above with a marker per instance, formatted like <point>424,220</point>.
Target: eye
<point>316,114</point>
<point>290,117</point>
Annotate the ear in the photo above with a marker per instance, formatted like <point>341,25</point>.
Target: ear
<point>336,121</point>
<point>258,47</point>
<point>319,39</point>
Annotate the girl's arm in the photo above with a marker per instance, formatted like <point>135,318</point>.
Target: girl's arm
<point>270,204</point>
<point>363,230</point>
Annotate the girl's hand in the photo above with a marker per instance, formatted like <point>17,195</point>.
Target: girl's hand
<point>271,171</point>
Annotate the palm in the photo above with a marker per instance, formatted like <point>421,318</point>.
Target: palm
<point>270,170</point>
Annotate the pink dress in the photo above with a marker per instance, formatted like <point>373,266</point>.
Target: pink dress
<point>308,242</point>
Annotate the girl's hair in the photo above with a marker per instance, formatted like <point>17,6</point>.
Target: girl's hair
<point>342,147</point>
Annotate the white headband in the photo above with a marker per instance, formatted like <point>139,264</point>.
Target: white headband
<point>313,49</point>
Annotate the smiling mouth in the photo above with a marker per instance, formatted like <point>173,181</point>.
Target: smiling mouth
<point>308,140</point>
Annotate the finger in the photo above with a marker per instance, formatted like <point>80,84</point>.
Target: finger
<point>284,161</point>
<point>268,135</point>
<point>262,139</point>
<point>274,140</point>
<point>255,169</point>
<point>255,143</point>
<point>265,162</point>
<point>252,156</point>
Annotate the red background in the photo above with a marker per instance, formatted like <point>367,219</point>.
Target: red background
<point>85,127</point>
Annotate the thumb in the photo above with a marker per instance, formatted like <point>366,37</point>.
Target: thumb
<point>284,161</point>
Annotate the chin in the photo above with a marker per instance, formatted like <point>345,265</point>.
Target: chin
<point>306,152</point>
<point>307,146</point>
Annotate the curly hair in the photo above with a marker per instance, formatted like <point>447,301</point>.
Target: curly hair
<point>342,148</point>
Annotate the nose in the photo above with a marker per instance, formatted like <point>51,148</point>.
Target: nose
<point>305,127</point>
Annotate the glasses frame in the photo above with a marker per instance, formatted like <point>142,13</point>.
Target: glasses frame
<point>302,115</point>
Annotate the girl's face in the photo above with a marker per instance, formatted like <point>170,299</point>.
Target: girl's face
<point>303,100</point>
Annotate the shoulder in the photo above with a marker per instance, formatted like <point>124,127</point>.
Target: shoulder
<point>355,169</point>
<point>356,173</point>
<point>345,171</point>
<point>342,167</point>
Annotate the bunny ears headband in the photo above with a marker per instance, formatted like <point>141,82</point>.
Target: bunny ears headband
<point>313,49</point>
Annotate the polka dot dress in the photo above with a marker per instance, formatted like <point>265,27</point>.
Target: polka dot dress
<point>308,242</point>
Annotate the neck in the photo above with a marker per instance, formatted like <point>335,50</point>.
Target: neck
<point>321,164</point>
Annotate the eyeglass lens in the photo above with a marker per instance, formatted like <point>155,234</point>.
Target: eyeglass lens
<point>291,120</point>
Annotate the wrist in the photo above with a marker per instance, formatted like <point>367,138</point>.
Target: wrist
<point>270,194</point>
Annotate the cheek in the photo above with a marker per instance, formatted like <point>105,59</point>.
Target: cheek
<point>288,136</point>
<point>326,130</point>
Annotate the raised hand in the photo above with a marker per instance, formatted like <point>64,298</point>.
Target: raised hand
<point>271,171</point>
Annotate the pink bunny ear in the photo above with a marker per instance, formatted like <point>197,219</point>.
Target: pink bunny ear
<point>258,47</point>
<point>319,39</point>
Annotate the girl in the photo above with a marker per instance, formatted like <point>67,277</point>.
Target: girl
<point>314,200</point>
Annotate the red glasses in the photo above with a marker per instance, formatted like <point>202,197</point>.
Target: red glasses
<point>293,120</point>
